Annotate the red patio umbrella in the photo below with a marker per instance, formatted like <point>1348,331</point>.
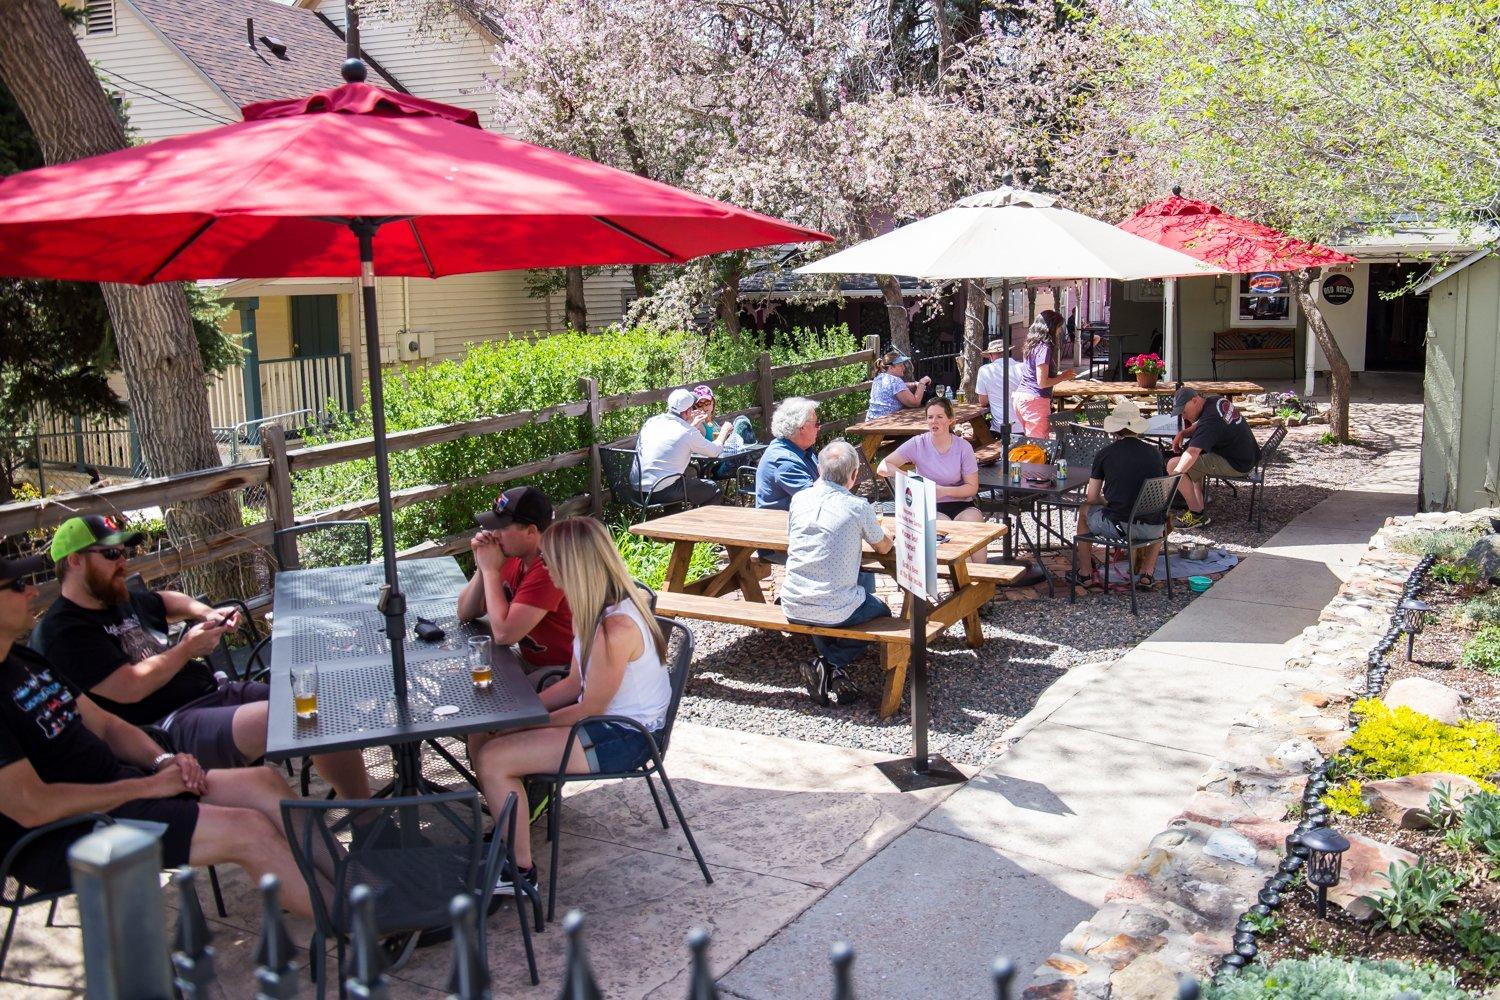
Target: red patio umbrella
<point>1201,229</point>
<point>353,181</point>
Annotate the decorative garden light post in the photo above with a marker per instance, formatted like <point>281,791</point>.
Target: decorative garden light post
<point>1413,619</point>
<point>1325,859</point>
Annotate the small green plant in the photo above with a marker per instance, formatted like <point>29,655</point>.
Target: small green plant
<point>1336,979</point>
<point>1478,611</point>
<point>1443,810</point>
<point>1415,898</point>
<point>1328,437</point>
<point>1395,742</point>
<point>1264,923</point>
<point>1346,799</point>
<point>647,560</point>
<point>1479,828</point>
<point>1445,543</point>
<point>1288,412</point>
<point>1471,930</point>
<point>1295,810</point>
<point>1458,574</point>
<point>1482,652</point>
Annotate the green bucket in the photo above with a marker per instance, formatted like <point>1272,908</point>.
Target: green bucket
<point>1198,584</point>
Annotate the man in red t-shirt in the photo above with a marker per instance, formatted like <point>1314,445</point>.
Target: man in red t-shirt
<point>511,586</point>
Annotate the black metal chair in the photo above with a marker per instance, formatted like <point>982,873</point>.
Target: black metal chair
<point>880,492</point>
<point>1151,502</point>
<point>622,471</point>
<point>416,853</point>
<point>679,665</point>
<point>15,894</point>
<point>328,543</point>
<point>241,662</point>
<point>744,483</point>
<point>1081,445</point>
<point>1256,477</point>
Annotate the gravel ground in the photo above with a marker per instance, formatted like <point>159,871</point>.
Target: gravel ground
<point>748,679</point>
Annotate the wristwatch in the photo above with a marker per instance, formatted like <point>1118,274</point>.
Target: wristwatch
<point>159,760</point>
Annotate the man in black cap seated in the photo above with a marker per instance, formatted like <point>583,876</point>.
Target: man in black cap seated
<point>112,642</point>
<point>1219,443</point>
<point>61,755</point>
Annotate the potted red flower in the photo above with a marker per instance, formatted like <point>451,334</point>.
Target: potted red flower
<point>1147,369</point>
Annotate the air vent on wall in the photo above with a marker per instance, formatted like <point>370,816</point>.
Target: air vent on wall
<point>99,17</point>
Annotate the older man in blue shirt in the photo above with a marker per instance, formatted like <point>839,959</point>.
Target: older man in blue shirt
<point>788,464</point>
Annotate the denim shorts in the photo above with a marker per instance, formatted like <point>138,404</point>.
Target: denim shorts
<point>1100,523</point>
<point>614,746</point>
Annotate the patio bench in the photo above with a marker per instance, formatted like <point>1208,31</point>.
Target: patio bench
<point>1254,345</point>
<point>892,634</point>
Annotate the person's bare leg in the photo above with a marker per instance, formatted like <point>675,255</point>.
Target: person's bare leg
<point>504,761</point>
<point>346,772</point>
<point>244,837</point>
<point>1145,559</point>
<point>973,515</point>
<point>1192,491</point>
<point>263,790</point>
<point>1085,559</point>
<point>249,729</point>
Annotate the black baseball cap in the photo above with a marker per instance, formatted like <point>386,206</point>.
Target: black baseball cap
<point>19,560</point>
<point>1181,400</point>
<point>519,505</point>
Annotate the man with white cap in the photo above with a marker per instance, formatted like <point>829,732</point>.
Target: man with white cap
<point>989,384</point>
<point>1119,470</point>
<point>667,444</point>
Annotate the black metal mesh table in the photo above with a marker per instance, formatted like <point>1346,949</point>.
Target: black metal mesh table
<point>328,617</point>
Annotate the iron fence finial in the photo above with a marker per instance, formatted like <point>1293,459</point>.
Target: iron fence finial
<point>192,958</point>
<point>368,979</point>
<point>1003,971</point>
<point>702,985</point>
<point>469,979</point>
<point>842,957</point>
<point>275,973</point>
<point>1187,988</point>
<point>578,978</point>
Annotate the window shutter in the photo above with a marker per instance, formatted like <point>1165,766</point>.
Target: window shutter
<point>99,17</point>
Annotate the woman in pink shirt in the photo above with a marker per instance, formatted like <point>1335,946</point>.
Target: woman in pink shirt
<point>947,460</point>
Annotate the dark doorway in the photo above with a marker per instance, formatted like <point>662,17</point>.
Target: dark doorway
<point>1396,330</point>
<point>315,326</point>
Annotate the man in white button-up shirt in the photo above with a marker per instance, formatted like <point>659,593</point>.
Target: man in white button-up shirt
<point>667,444</point>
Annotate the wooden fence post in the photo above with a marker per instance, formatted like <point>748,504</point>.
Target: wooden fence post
<point>590,389</point>
<point>279,492</point>
<point>872,344</point>
<point>766,389</point>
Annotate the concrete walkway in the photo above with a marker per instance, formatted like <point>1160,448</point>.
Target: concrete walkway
<point>1028,848</point>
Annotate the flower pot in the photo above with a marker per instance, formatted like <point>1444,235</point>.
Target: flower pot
<point>1146,380</point>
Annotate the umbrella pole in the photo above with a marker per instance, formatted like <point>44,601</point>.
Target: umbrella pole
<point>392,601</point>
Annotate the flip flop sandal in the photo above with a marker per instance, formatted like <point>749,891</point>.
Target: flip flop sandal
<point>1083,582</point>
<point>1145,582</point>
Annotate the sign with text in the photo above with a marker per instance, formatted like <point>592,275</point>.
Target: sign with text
<point>916,536</point>
<point>1265,283</point>
<point>1338,289</point>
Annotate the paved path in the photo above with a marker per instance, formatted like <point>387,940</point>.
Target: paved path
<point>1023,852</point>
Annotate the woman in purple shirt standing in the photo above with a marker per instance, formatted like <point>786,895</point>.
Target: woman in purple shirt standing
<point>1033,392</point>
<point>947,460</point>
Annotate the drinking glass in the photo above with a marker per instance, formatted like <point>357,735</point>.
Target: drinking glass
<point>305,691</point>
<point>480,669</point>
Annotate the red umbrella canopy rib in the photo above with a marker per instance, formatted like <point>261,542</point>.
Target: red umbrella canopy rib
<point>1201,229</point>
<point>271,197</point>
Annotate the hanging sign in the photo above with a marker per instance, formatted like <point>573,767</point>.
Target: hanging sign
<point>1265,283</point>
<point>916,536</point>
<point>1338,289</point>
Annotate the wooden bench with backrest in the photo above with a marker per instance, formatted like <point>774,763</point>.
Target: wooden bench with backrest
<point>1254,345</point>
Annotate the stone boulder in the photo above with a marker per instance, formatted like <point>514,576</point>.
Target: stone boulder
<point>1485,554</point>
<point>1365,865</point>
<point>1430,698</point>
<point>1403,801</point>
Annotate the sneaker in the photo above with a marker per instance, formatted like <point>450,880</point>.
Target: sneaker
<point>841,690</point>
<point>1192,520</point>
<point>506,886</point>
<point>815,676</point>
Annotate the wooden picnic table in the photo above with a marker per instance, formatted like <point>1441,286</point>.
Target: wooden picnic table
<point>1090,388</point>
<point>911,422</point>
<point>742,531</point>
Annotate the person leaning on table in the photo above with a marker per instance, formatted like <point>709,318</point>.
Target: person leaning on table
<point>667,445</point>
<point>891,392</point>
<point>62,755</point>
<point>824,585</point>
<point>1216,440</point>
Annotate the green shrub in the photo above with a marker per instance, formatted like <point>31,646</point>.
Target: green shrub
<point>1392,743</point>
<point>1483,651</point>
<point>1471,929</point>
<point>1478,611</point>
<point>647,560</point>
<point>1415,898</point>
<point>1478,828</point>
<point>1346,799</point>
<point>1327,978</point>
<point>1444,543</point>
<point>1459,574</point>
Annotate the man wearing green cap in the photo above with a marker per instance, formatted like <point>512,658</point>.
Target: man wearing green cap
<point>113,643</point>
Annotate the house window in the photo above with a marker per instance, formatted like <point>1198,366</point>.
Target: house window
<point>1264,299</point>
<point>99,17</point>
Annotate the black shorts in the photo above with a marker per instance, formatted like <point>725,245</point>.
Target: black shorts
<point>205,727</point>
<point>43,866</point>
<point>953,508</point>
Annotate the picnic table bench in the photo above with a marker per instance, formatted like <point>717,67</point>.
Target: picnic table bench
<point>912,422</point>
<point>1253,345</point>
<point>743,531</point>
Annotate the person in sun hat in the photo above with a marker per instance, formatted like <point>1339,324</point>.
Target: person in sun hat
<point>512,588</point>
<point>666,446</point>
<point>891,392</point>
<point>1215,440</point>
<point>1119,470</point>
<point>112,642</point>
<point>989,384</point>
<point>61,755</point>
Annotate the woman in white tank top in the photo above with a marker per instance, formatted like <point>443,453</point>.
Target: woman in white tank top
<point>618,669</point>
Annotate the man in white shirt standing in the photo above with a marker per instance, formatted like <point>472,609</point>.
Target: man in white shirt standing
<point>667,444</point>
<point>989,384</point>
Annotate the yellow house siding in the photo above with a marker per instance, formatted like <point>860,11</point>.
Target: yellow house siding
<point>134,58</point>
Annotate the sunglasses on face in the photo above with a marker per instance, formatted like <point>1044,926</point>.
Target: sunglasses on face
<point>114,553</point>
<point>19,586</point>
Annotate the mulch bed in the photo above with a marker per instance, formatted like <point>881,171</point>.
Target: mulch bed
<point>1438,655</point>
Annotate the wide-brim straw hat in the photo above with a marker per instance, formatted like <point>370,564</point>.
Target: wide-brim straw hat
<point>1126,416</point>
<point>995,346</point>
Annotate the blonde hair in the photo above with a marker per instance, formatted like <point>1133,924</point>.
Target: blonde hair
<point>583,562</point>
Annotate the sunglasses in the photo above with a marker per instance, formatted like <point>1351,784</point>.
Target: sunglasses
<point>114,553</point>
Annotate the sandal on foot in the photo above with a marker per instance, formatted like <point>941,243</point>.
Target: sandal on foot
<point>1145,582</point>
<point>1084,582</point>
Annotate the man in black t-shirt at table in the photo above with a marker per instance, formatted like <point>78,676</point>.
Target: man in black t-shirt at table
<point>1219,443</point>
<point>1119,470</point>
<point>112,642</point>
<point>61,755</point>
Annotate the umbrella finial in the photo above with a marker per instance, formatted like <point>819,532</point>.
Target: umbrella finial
<point>1177,190</point>
<point>354,71</point>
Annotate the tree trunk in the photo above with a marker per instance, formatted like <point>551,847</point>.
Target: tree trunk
<point>729,297</point>
<point>974,331</point>
<point>575,307</point>
<point>72,118</point>
<point>640,277</point>
<point>895,310</point>
<point>1338,366</point>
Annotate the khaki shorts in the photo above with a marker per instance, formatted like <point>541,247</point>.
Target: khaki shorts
<point>1211,463</point>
